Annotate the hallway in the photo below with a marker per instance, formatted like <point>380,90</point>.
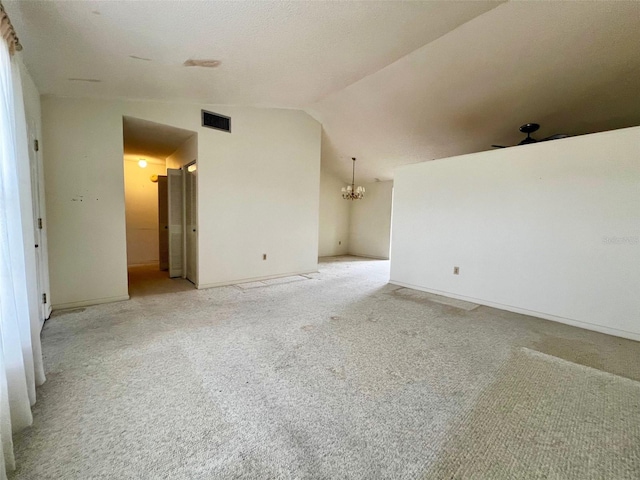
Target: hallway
<point>147,280</point>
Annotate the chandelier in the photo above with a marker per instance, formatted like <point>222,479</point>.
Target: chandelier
<point>351,192</point>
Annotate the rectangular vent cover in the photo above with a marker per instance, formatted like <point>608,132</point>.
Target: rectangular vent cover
<point>213,120</point>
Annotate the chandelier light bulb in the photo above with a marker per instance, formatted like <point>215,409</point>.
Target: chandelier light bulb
<point>142,163</point>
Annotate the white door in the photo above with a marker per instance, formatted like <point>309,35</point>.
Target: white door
<point>191,222</point>
<point>175,195</point>
<point>40,237</point>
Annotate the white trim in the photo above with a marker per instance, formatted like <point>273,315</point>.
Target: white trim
<point>87,303</point>
<point>546,316</point>
<point>48,310</point>
<point>253,279</point>
<point>47,314</point>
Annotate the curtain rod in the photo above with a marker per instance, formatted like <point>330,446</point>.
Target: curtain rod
<point>8,32</point>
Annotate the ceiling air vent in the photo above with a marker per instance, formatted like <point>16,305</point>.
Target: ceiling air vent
<point>213,120</point>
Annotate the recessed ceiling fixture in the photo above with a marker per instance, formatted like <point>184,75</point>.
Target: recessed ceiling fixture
<point>139,58</point>
<point>351,192</point>
<point>90,80</point>
<point>142,163</point>
<point>201,63</point>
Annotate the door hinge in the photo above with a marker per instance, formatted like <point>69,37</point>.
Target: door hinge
<point>36,145</point>
<point>40,223</point>
<point>44,298</point>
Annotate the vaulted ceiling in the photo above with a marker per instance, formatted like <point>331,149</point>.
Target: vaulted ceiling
<point>572,67</point>
<point>391,82</point>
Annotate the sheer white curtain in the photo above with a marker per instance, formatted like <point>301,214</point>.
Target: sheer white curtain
<point>20,355</point>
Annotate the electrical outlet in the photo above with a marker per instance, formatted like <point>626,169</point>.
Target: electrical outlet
<point>264,256</point>
<point>456,270</point>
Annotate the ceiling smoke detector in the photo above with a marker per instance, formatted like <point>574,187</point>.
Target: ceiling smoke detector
<point>201,63</point>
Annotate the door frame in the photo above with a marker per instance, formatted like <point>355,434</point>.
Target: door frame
<point>36,171</point>
<point>194,207</point>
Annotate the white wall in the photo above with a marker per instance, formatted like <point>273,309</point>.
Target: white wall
<point>358,227</point>
<point>550,229</point>
<point>258,192</point>
<point>141,206</point>
<point>334,216</point>
<point>370,227</point>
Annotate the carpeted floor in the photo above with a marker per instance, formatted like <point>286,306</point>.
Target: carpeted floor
<point>331,375</point>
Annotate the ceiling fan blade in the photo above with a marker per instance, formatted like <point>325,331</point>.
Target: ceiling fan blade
<point>498,146</point>
<point>557,136</point>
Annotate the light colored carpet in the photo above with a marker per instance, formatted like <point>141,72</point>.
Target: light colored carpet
<point>273,281</point>
<point>330,376</point>
<point>547,418</point>
<point>421,297</point>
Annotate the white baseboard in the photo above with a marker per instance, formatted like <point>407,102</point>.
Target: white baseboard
<point>87,303</point>
<point>252,279</point>
<point>510,308</point>
<point>367,256</point>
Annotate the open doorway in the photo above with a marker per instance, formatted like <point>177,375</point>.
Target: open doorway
<point>160,207</point>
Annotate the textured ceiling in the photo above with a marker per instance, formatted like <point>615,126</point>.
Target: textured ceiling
<point>391,82</point>
<point>144,138</point>
<point>279,53</point>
